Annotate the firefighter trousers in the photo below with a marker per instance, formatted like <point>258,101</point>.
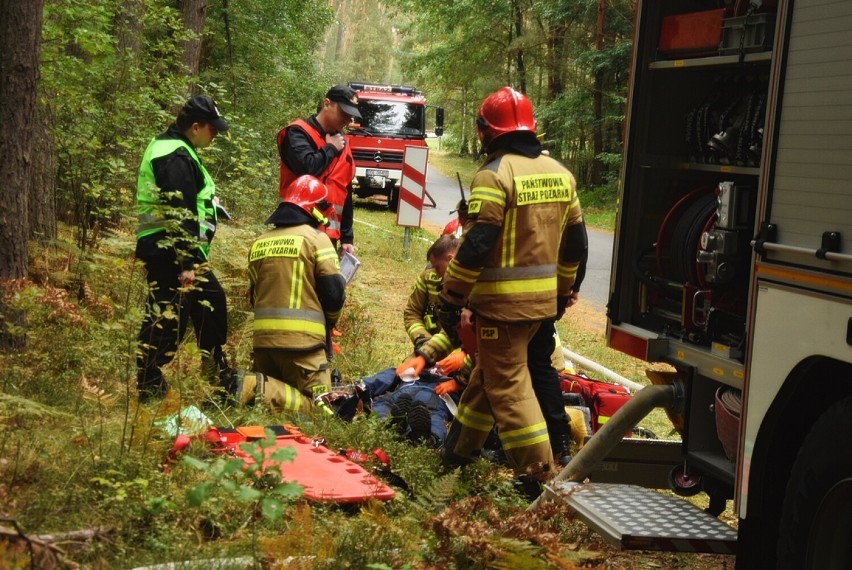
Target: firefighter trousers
<point>275,394</point>
<point>307,371</point>
<point>500,390</point>
<point>548,390</point>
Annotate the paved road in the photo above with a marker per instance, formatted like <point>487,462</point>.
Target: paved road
<point>445,192</point>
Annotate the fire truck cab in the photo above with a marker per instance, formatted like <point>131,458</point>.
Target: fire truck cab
<point>393,117</point>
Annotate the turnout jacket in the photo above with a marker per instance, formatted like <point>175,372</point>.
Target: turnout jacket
<point>419,313</point>
<point>303,150</point>
<point>523,242</point>
<point>174,200</point>
<point>296,287</point>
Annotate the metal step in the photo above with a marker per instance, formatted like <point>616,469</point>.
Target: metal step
<point>635,518</point>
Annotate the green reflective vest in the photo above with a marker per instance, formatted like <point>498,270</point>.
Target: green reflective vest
<point>151,207</point>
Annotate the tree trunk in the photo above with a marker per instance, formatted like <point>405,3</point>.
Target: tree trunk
<point>42,196</point>
<point>518,17</point>
<point>193,16</point>
<point>20,40</point>
<point>596,175</point>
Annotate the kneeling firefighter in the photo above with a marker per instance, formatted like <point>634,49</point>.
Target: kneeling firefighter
<point>297,292</point>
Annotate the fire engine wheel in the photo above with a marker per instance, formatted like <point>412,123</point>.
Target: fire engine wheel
<point>684,484</point>
<point>817,511</point>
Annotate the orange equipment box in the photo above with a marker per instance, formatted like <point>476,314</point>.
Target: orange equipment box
<point>692,35</point>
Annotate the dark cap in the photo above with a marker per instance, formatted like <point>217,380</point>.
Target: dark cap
<point>205,110</point>
<point>346,97</point>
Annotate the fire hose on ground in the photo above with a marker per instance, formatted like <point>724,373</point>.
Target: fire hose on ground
<point>594,366</point>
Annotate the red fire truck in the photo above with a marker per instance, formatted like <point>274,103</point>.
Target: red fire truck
<point>733,265</point>
<point>393,117</point>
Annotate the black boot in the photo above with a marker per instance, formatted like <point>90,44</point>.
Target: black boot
<point>150,384</point>
<point>529,486</point>
<point>561,450</point>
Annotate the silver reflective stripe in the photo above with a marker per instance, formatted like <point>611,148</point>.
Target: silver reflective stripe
<point>514,273</point>
<point>294,314</point>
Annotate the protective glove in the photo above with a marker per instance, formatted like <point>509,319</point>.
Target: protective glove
<point>418,363</point>
<point>447,387</point>
<point>449,316</point>
<point>452,362</point>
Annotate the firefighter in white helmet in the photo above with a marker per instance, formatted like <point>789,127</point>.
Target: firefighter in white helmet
<point>515,269</point>
<point>297,292</point>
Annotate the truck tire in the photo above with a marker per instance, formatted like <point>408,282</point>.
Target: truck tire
<point>817,512</point>
<point>393,199</point>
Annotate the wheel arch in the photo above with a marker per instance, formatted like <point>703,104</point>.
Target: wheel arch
<point>810,388</point>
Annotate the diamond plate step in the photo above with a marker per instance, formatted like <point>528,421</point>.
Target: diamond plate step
<point>636,518</point>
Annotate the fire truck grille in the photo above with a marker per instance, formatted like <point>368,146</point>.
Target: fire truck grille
<point>377,156</point>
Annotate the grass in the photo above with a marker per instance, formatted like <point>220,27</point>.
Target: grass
<point>78,453</point>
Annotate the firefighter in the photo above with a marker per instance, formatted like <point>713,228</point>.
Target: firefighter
<point>517,262</point>
<point>177,211</point>
<point>316,146</point>
<point>297,292</point>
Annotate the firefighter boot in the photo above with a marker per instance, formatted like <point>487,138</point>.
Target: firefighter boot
<point>561,451</point>
<point>529,486</point>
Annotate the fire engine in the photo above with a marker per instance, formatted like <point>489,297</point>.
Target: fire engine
<point>393,117</point>
<point>733,265</point>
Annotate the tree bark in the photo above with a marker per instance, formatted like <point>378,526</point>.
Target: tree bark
<point>518,17</point>
<point>42,196</point>
<point>596,175</point>
<point>193,16</point>
<point>20,40</point>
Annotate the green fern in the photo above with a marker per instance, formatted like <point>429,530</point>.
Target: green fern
<point>439,493</point>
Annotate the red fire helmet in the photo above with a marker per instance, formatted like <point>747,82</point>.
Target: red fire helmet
<point>504,111</point>
<point>306,192</point>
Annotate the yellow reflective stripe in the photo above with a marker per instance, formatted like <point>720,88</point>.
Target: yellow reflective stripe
<point>441,342</point>
<point>326,253</point>
<point>296,284</point>
<point>456,271</point>
<point>569,271</point>
<point>472,419</point>
<point>415,327</point>
<point>335,315</point>
<point>515,286</point>
<point>510,228</point>
<point>292,398</point>
<point>485,194</point>
<point>293,325</point>
<point>523,437</point>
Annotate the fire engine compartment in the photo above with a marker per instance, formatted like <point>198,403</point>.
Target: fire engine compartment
<point>690,179</point>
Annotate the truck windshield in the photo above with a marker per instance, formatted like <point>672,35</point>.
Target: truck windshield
<point>392,118</point>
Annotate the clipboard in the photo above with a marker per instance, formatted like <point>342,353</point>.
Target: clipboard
<point>349,265</point>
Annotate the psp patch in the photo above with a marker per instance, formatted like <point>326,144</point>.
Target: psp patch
<point>488,333</point>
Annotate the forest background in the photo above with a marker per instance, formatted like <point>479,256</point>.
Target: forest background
<point>84,85</point>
